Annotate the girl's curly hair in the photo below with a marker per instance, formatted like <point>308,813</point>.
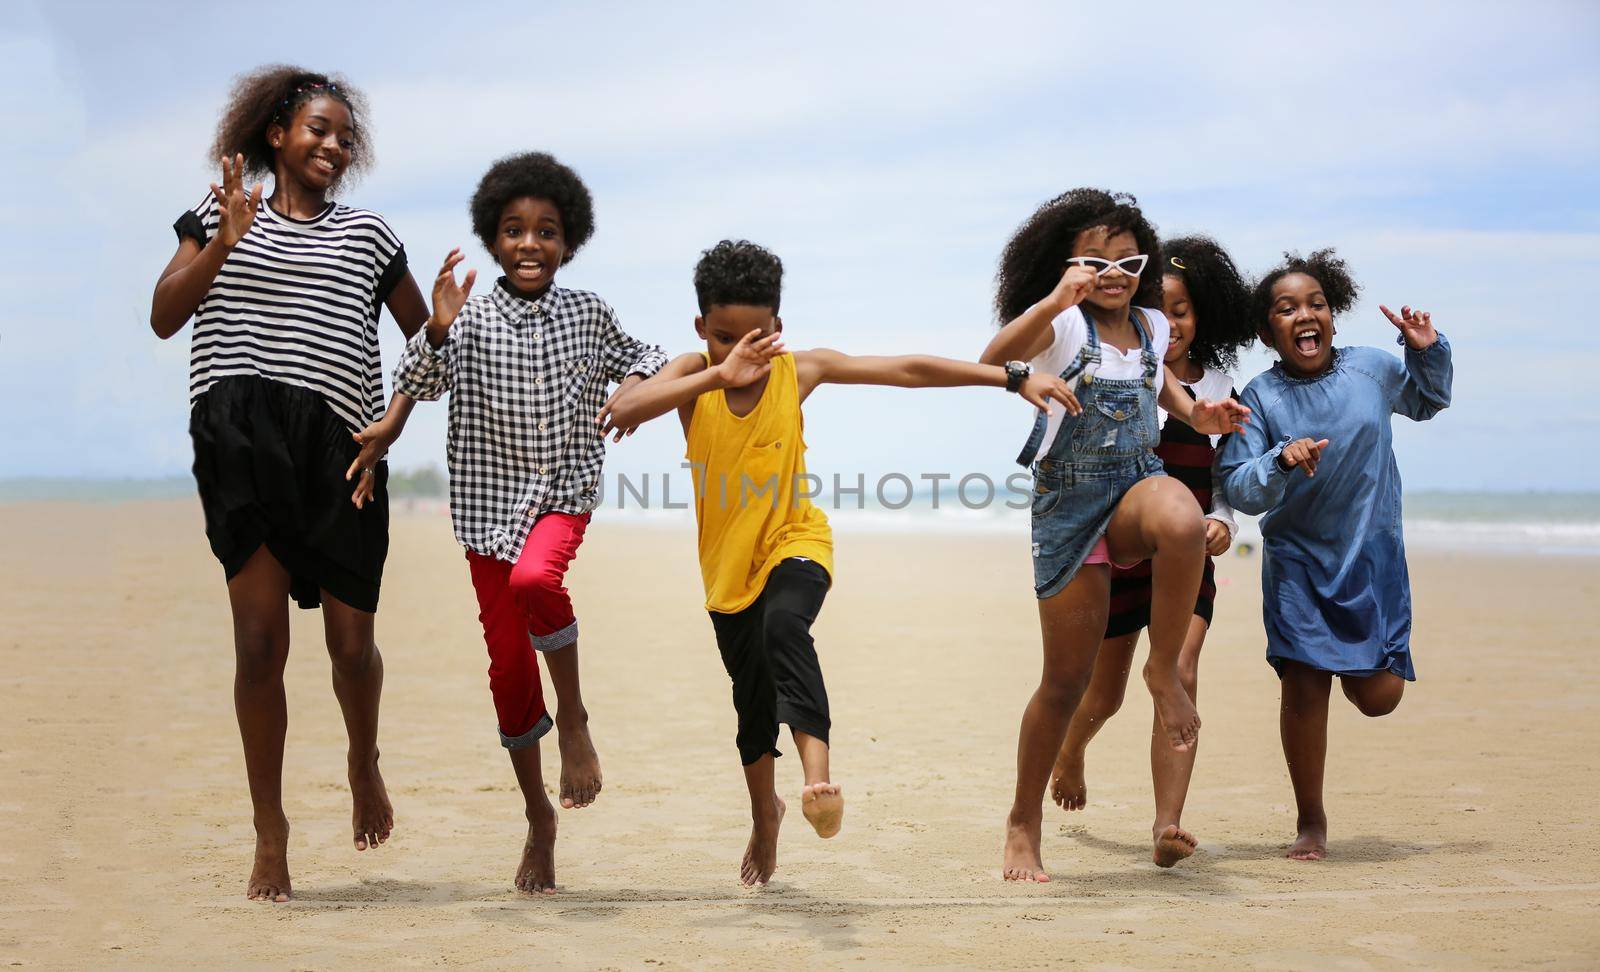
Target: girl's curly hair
<point>1323,266</point>
<point>271,95</point>
<point>1036,256</point>
<point>1219,296</point>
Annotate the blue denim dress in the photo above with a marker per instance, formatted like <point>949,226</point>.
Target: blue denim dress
<point>1096,457</point>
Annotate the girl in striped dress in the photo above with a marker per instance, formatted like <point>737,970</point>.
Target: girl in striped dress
<point>1205,300</point>
<point>285,292</point>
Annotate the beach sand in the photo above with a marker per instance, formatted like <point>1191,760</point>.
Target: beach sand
<point>1463,827</point>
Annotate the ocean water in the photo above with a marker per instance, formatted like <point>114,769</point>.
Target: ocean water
<point>1555,523</point>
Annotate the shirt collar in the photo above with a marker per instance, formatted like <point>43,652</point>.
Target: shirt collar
<point>517,308</point>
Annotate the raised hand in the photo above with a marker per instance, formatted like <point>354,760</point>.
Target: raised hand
<point>750,358</point>
<point>236,208</point>
<point>1415,326</point>
<point>604,419</point>
<point>1075,284</point>
<point>448,296</point>
<point>374,441</point>
<point>1038,388</point>
<point>1304,453</point>
<point>1218,418</point>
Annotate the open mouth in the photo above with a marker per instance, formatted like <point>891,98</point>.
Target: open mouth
<point>1113,290</point>
<point>529,269</point>
<point>324,164</point>
<point>1308,342</point>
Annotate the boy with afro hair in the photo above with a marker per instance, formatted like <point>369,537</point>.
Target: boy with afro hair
<point>527,367</point>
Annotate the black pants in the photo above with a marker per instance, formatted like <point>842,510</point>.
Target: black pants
<point>768,652</point>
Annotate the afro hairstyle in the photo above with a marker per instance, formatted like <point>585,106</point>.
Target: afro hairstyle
<point>1323,266</point>
<point>534,175</point>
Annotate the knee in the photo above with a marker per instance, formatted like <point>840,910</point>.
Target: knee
<point>351,654</point>
<point>536,585</point>
<point>783,625</point>
<point>260,653</point>
<point>1380,705</point>
<point>1063,687</point>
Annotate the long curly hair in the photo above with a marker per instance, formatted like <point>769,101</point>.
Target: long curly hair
<point>538,175</point>
<point>1036,256</point>
<point>271,95</point>
<point>1324,267</point>
<point>1219,295</point>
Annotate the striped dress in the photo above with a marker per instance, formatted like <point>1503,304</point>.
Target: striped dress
<point>1187,456</point>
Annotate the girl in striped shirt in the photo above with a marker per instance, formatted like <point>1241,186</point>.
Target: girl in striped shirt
<point>1207,305</point>
<point>285,291</point>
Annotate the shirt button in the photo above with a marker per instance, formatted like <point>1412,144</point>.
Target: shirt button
<point>538,381</point>
<point>541,470</point>
<point>536,335</point>
<point>541,426</point>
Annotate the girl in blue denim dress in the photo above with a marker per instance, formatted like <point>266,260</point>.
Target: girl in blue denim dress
<point>1073,287</point>
<point>1336,597</point>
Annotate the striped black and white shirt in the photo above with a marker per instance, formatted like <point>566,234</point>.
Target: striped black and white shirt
<point>526,381</point>
<point>297,301</point>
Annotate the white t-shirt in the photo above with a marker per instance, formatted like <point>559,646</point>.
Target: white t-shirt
<point>1070,336</point>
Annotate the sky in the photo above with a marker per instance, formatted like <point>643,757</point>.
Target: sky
<point>886,151</point>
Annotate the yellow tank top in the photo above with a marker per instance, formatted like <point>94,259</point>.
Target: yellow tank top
<point>747,491</point>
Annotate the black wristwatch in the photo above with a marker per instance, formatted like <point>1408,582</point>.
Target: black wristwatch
<point>1017,372</point>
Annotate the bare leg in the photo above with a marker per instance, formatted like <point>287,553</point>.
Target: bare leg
<point>358,684</point>
<point>766,816</point>
<point>536,872</point>
<point>1170,769</point>
<point>1158,519</point>
<point>1303,721</point>
<point>580,764</point>
<point>1073,623</point>
<point>259,597</point>
<point>1376,695</point>
<point>821,801</point>
<point>1107,686</point>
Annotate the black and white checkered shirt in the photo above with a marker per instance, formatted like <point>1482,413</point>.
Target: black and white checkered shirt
<point>526,381</point>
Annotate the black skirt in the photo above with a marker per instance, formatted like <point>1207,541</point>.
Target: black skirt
<point>1131,592</point>
<point>269,459</point>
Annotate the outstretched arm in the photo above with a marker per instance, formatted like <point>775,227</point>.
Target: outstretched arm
<point>826,366</point>
<point>686,378</point>
<point>1202,415</point>
<point>1030,334</point>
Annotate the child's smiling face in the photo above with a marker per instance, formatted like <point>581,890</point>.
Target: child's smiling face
<point>314,148</point>
<point>1300,325</point>
<point>724,324</point>
<point>1114,290</point>
<point>1179,312</point>
<point>530,244</point>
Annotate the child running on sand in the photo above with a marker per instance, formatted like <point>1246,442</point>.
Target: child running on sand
<point>1336,596</point>
<point>766,553</point>
<point>1207,305</point>
<point>285,292</point>
<point>1068,283</point>
<point>526,367</point>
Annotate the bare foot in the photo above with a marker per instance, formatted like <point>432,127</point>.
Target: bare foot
<point>580,764</point>
<point>536,874</point>
<point>823,806</point>
<point>761,855</point>
<point>1022,861</point>
<point>1067,787</point>
<point>372,815</point>
<point>1178,715</point>
<point>1173,844</point>
<point>269,876</point>
<point>1311,844</point>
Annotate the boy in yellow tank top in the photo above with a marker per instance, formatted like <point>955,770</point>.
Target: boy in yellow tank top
<point>766,553</point>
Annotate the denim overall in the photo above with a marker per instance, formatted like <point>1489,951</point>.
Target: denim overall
<point>1096,457</point>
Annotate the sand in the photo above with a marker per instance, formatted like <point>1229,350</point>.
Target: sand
<point>1463,828</point>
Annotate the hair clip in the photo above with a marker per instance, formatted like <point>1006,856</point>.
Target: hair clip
<point>1177,263</point>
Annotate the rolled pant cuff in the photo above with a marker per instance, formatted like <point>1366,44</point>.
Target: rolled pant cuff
<point>799,720</point>
<point>529,738</point>
<point>555,640</point>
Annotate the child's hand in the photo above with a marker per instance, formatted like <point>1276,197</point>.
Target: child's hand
<point>1218,539</point>
<point>1039,387</point>
<point>750,359</point>
<point>604,418</point>
<point>1074,286</point>
<point>1218,418</point>
<point>448,296</point>
<point>374,441</point>
<point>236,209</point>
<point>1415,326</point>
<point>1303,453</point>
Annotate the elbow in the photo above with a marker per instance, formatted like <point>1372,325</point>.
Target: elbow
<point>162,327</point>
<point>993,355</point>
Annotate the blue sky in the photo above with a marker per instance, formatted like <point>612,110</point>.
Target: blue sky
<point>885,151</point>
